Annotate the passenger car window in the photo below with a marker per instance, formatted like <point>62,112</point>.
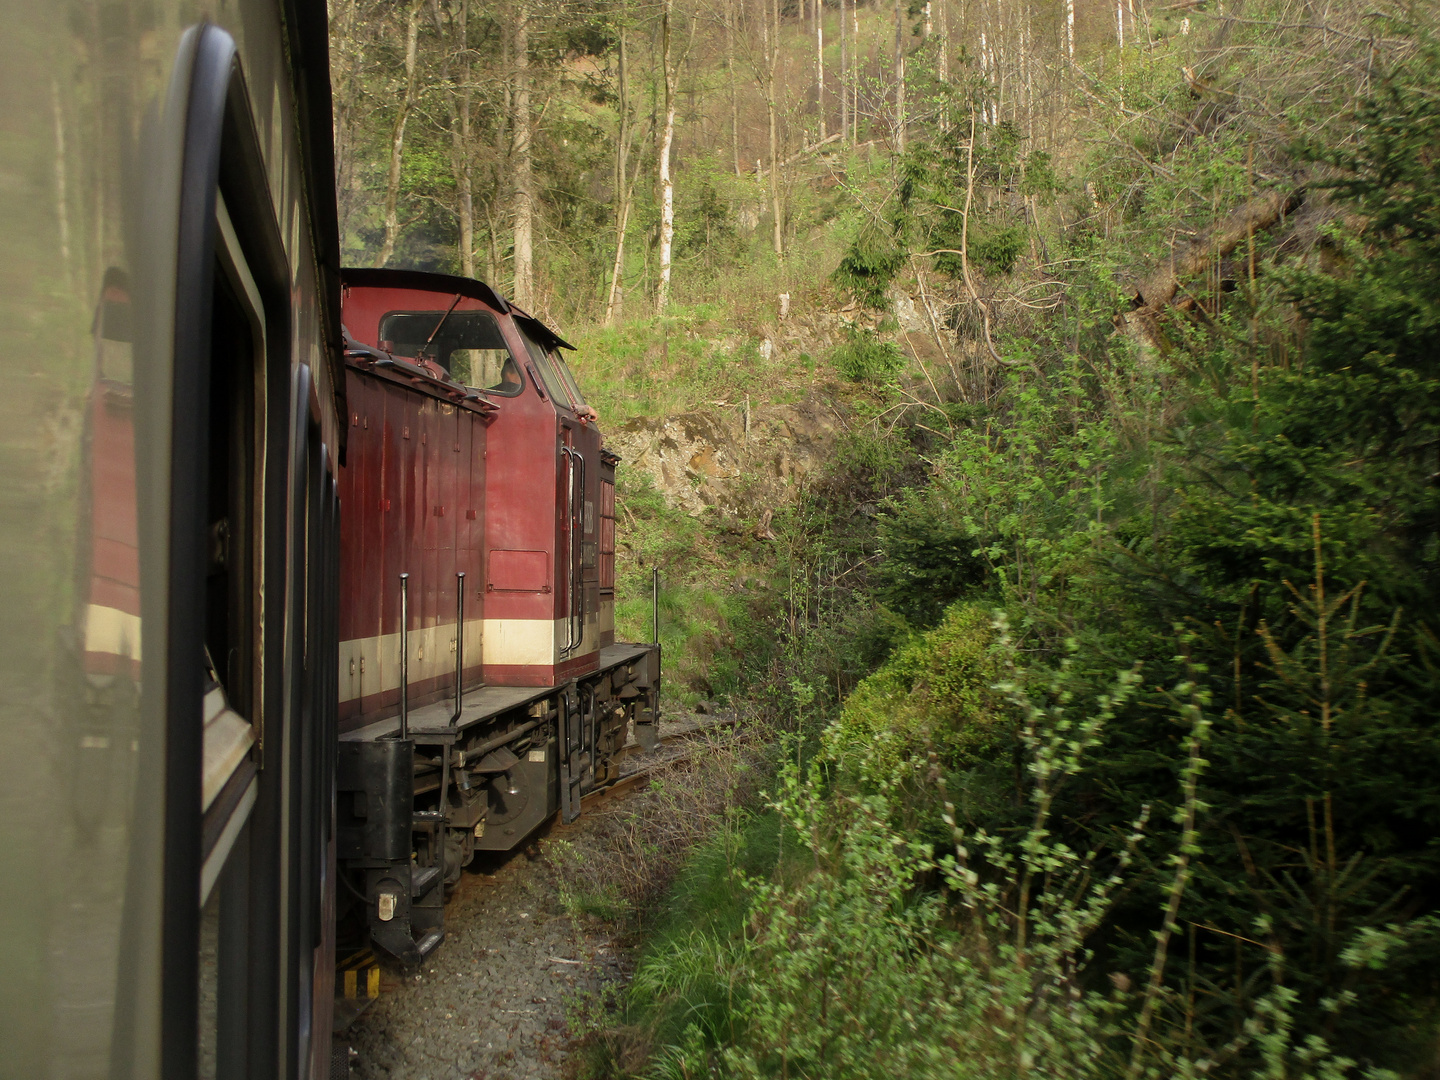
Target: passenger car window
<point>467,344</point>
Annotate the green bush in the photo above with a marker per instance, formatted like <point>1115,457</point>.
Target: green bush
<point>933,693</point>
<point>865,357</point>
<point>869,265</point>
<point>928,562</point>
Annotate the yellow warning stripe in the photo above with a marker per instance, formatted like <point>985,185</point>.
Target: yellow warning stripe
<point>356,967</point>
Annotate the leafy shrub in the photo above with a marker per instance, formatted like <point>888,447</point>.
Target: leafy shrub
<point>845,961</point>
<point>870,265</point>
<point>867,358</point>
<point>928,563</point>
<point>997,248</point>
<point>933,692</point>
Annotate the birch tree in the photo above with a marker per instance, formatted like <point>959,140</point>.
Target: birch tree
<point>900,75</point>
<point>624,186</point>
<point>770,20</point>
<point>820,65</point>
<point>397,135</point>
<point>844,77</point>
<point>730,74</point>
<point>523,197</point>
<point>667,143</point>
<point>461,144</point>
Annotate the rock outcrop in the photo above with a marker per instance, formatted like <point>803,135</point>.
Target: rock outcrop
<point>731,458</point>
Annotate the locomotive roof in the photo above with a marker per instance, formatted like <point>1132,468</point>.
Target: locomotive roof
<point>385,278</point>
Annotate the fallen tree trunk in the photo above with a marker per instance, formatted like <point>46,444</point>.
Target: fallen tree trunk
<point>1261,212</point>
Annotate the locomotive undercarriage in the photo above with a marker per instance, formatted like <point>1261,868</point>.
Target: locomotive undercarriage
<point>505,764</point>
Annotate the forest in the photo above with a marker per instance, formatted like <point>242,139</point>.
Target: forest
<point>1094,647</point>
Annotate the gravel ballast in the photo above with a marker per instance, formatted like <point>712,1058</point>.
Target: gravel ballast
<point>498,999</point>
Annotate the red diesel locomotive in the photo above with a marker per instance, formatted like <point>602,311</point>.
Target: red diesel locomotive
<point>481,687</point>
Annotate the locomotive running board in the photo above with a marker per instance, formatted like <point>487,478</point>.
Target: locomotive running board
<point>572,769</point>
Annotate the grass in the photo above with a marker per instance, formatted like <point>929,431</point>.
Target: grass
<point>681,992</point>
<point>709,344</point>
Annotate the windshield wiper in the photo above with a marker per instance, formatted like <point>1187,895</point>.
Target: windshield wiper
<point>424,349</point>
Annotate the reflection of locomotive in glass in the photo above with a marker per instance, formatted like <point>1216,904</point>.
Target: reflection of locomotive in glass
<point>481,687</point>
<point>191,781</point>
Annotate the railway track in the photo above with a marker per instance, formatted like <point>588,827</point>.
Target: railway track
<point>637,779</point>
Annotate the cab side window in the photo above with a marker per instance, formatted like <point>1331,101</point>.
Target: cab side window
<point>554,386</point>
<point>493,370</point>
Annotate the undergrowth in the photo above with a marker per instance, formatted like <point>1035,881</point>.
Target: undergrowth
<point>1108,658</point>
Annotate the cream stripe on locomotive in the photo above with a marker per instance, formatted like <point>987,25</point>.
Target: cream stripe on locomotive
<point>372,665</point>
<point>110,630</point>
<point>512,642</point>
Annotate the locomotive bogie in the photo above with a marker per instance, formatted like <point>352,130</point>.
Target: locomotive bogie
<point>514,758</point>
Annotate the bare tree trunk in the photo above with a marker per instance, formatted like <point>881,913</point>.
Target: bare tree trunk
<point>730,72</point>
<point>62,195</point>
<point>1070,30</point>
<point>622,191</point>
<point>465,201</point>
<point>522,207</point>
<point>844,78</point>
<point>493,259</point>
<point>397,136</point>
<point>772,53</point>
<point>346,57</point>
<point>855,67</point>
<point>900,76</point>
<point>667,182</point>
<point>820,64</point>
<point>942,17</point>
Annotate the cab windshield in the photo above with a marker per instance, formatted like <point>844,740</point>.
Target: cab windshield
<point>467,344</point>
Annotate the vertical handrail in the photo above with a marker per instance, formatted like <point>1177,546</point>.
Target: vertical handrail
<point>577,555</point>
<point>404,656</point>
<point>575,513</point>
<point>655,605</point>
<point>570,544</point>
<point>459,644</point>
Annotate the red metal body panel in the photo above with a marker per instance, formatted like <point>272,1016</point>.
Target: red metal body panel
<point>410,474</point>
<point>111,596</point>
<point>431,489</point>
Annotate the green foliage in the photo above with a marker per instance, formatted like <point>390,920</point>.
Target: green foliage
<point>928,563</point>
<point>828,957</point>
<point>869,265</point>
<point>865,357</point>
<point>997,248</point>
<point>932,694</point>
<point>1175,814</point>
